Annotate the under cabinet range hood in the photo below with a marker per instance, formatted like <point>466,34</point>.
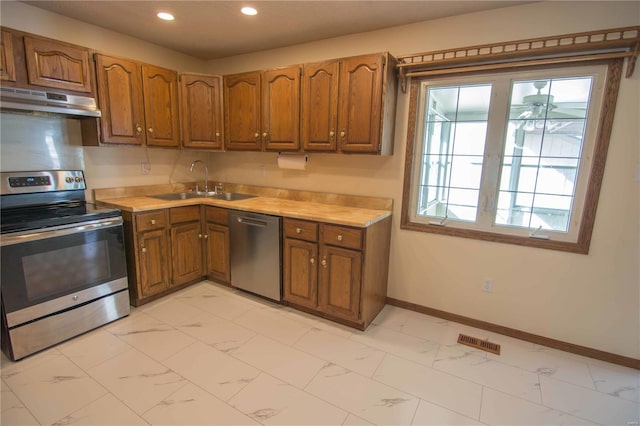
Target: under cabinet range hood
<point>26,100</point>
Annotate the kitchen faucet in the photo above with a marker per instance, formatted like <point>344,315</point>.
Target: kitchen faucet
<point>206,175</point>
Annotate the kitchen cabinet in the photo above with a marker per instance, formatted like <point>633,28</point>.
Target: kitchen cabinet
<point>7,60</point>
<point>348,105</point>
<point>216,234</point>
<point>201,111</point>
<point>58,65</point>
<point>335,271</point>
<point>186,244</point>
<point>147,249</point>
<point>261,110</point>
<point>139,103</point>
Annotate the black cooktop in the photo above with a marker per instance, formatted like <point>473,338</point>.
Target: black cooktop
<point>38,217</point>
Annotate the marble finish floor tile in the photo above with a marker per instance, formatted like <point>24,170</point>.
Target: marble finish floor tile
<point>362,396</point>
<point>339,350</point>
<point>213,355</point>
<point>271,402</point>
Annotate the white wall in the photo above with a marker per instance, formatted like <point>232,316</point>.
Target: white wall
<point>591,300</point>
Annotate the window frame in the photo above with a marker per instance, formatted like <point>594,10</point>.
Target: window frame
<point>593,180</point>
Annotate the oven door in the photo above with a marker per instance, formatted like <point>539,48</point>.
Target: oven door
<point>51,270</point>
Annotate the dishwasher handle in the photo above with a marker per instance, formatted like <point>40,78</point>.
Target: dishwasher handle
<point>252,222</point>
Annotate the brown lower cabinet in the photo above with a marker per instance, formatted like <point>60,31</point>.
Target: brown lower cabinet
<point>169,249</point>
<point>337,272</point>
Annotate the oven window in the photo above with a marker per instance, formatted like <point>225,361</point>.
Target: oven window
<point>69,268</point>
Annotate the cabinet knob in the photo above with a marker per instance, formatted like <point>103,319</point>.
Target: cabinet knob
<point>153,221</point>
<point>324,262</point>
<point>312,261</point>
<point>217,134</point>
<point>150,129</point>
<point>256,135</point>
<point>340,237</point>
<point>206,236</point>
<point>343,134</point>
<point>200,236</point>
<point>332,134</point>
<point>144,250</point>
<point>298,230</point>
<point>138,129</point>
<point>265,134</point>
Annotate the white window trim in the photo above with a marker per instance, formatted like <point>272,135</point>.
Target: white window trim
<point>581,223</point>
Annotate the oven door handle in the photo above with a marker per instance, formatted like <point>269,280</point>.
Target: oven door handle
<point>59,231</point>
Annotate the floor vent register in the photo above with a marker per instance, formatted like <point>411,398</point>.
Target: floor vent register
<point>474,342</point>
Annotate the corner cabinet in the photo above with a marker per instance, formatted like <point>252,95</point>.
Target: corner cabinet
<point>262,110</point>
<point>201,111</point>
<point>139,103</point>
<point>348,105</point>
<point>216,234</point>
<point>186,244</point>
<point>335,271</point>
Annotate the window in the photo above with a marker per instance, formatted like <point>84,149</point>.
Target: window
<point>511,156</point>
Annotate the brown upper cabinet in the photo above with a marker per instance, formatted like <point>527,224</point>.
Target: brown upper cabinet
<point>7,60</point>
<point>201,111</point>
<point>40,63</point>
<point>139,103</point>
<point>57,65</point>
<point>262,110</point>
<point>348,105</point>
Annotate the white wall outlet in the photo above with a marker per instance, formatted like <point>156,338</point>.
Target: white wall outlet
<point>487,285</point>
<point>145,168</point>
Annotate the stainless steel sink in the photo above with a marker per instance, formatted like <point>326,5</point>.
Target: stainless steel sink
<point>231,196</point>
<point>228,196</point>
<point>177,196</point>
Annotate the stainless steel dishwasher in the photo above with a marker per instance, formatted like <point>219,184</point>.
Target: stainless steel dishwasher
<point>256,253</point>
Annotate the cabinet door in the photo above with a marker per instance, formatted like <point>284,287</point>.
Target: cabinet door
<point>359,116</point>
<point>242,111</point>
<point>281,109</point>
<point>154,262</point>
<point>160,88</point>
<point>300,272</point>
<point>7,59</point>
<point>186,252</point>
<point>217,252</point>
<point>120,97</point>
<point>319,106</point>
<point>58,65</point>
<point>340,275</point>
<point>201,102</point>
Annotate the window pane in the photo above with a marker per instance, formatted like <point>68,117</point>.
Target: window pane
<point>453,148</point>
<point>543,145</point>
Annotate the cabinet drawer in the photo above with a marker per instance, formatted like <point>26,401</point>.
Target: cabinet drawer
<point>217,215</point>
<point>151,220</point>
<point>184,214</point>
<point>341,236</point>
<point>301,229</point>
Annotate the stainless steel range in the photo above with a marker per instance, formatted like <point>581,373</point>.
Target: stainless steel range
<point>63,261</point>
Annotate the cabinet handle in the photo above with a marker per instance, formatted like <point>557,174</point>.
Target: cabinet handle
<point>150,129</point>
<point>138,129</point>
<point>324,262</point>
<point>144,250</point>
<point>312,261</point>
<point>343,134</point>
<point>298,230</point>
<point>152,221</point>
<point>340,237</point>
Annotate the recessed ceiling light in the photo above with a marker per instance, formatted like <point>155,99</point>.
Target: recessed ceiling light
<point>249,11</point>
<point>165,16</point>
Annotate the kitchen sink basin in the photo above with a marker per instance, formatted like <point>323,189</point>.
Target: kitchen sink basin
<point>228,196</point>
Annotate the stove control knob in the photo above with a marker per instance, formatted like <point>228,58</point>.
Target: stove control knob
<point>69,179</point>
<point>78,179</point>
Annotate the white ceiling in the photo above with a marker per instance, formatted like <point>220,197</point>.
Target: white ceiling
<point>216,29</point>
